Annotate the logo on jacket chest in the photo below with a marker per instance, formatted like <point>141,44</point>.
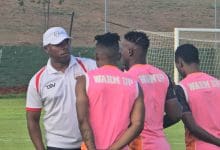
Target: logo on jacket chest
<point>50,85</point>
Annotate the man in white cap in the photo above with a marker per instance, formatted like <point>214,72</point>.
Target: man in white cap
<point>53,89</point>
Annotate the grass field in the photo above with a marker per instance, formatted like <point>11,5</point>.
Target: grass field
<point>14,135</point>
<point>13,131</point>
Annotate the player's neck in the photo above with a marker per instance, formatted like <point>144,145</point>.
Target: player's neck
<point>59,66</point>
<point>193,69</point>
<point>137,61</point>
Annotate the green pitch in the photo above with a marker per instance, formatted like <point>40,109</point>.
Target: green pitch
<point>175,136</point>
<point>14,135</point>
<point>13,130</point>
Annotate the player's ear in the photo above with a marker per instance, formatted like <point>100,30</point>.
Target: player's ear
<point>181,62</point>
<point>46,49</point>
<point>131,52</point>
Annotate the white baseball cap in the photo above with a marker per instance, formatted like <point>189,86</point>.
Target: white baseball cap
<point>54,35</point>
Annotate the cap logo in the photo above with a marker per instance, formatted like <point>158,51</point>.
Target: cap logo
<point>56,34</point>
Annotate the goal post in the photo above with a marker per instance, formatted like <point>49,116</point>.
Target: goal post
<point>163,45</point>
<point>207,40</point>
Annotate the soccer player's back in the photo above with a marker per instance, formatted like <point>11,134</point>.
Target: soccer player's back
<point>159,96</point>
<point>199,95</point>
<point>111,97</point>
<point>203,93</point>
<point>154,83</point>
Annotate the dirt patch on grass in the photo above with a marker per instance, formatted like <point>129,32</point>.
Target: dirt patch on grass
<point>13,90</point>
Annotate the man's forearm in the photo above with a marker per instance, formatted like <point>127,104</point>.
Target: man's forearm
<point>198,131</point>
<point>205,136</point>
<point>131,133</point>
<point>87,135</point>
<point>36,136</point>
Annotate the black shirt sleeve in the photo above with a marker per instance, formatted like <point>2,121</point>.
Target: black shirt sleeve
<point>170,91</point>
<point>182,98</point>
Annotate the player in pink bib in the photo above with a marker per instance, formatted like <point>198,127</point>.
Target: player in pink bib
<point>159,96</point>
<point>110,104</point>
<point>199,93</point>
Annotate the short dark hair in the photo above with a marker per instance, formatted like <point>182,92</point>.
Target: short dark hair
<point>139,38</point>
<point>188,52</point>
<point>108,40</point>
